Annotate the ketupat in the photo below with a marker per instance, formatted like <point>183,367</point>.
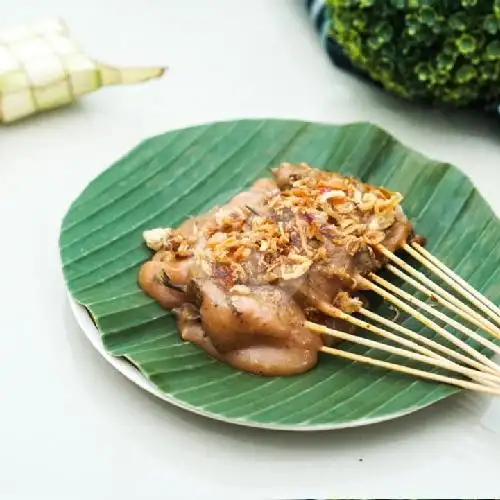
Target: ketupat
<point>41,67</point>
<point>437,51</point>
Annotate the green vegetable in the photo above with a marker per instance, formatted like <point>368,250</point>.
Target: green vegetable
<point>442,51</point>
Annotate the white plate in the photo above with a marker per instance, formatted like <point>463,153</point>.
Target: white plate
<point>122,365</point>
<point>133,374</point>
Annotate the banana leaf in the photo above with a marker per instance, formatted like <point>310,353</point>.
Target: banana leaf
<point>181,173</point>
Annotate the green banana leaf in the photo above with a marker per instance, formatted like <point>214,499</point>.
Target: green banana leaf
<point>175,175</point>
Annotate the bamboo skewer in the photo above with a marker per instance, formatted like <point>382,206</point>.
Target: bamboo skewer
<point>337,313</point>
<point>458,279</point>
<point>459,356</point>
<point>440,363</point>
<point>433,312</point>
<point>391,336</point>
<point>486,373</point>
<point>439,291</point>
<point>411,371</point>
<point>475,319</point>
<point>489,365</point>
<point>454,281</point>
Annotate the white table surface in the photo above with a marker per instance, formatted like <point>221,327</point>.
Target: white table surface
<point>71,427</point>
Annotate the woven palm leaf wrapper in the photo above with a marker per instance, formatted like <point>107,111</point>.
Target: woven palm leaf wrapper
<point>41,68</point>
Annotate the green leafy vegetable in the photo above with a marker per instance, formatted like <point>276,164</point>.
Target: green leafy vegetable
<point>435,50</point>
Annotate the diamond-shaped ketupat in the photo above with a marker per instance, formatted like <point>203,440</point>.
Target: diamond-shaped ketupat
<point>41,67</point>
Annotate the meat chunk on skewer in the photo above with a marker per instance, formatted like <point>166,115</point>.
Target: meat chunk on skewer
<point>258,329</point>
<point>244,277</point>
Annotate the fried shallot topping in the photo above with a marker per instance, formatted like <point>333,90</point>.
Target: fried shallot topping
<point>314,214</point>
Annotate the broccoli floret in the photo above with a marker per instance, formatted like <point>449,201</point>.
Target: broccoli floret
<point>445,51</point>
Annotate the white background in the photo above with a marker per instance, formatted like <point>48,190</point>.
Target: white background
<point>71,427</point>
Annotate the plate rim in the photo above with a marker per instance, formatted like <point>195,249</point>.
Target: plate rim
<point>134,375</point>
